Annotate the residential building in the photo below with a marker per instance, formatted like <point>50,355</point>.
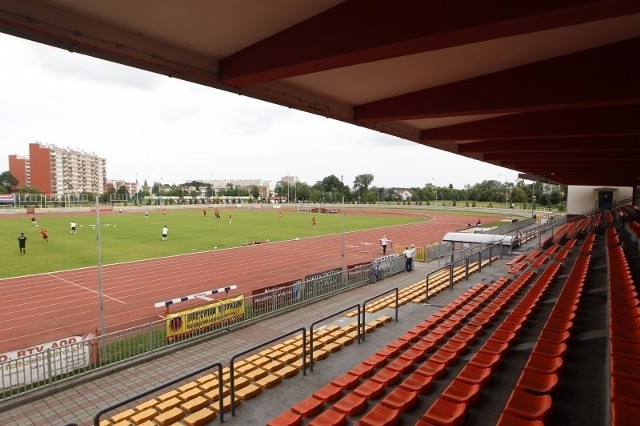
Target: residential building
<point>264,186</point>
<point>132,187</point>
<point>58,171</point>
<point>20,168</point>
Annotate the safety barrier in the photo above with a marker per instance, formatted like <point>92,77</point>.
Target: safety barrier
<point>80,355</point>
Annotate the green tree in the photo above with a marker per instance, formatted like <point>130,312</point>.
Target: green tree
<point>254,191</point>
<point>331,187</point>
<point>361,183</point>
<point>28,190</point>
<point>7,182</point>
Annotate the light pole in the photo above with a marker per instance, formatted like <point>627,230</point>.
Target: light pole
<point>433,179</point>
<point>100,283</point>
<point>533,204</point>
<point>323,192</point>
<point>506,202</point>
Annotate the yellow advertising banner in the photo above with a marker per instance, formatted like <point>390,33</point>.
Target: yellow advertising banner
<point>207,316</point>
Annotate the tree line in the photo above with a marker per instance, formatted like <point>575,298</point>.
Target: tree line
<point>332,189</point>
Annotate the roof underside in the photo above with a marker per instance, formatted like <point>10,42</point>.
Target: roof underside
<point>549,88</point>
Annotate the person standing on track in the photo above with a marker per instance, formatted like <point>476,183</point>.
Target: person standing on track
<point>22,243</point>
<point>165,232</point>
<point>383,243</point>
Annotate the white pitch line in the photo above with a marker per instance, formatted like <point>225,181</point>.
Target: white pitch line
<point>85,288</point>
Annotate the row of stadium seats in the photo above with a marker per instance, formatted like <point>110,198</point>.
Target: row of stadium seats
<point>390,383</point>
<point>197,402</point>
<point>624,335</point>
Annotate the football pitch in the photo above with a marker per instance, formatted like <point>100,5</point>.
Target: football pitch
<point>133,236</point>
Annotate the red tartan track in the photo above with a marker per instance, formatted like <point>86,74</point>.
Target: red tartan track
<point>42,308</point>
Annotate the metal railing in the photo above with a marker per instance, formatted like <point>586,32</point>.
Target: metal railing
<point>22,373</point>
<point>217,365</point>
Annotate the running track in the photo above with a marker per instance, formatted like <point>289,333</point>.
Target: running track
<point>42,308</point>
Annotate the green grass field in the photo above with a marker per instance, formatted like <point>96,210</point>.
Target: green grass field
<point>132,236</point>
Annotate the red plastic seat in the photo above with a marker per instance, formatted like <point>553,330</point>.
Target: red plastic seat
<point>387,376</point>
<point>624,415</point>
<point>434,337</point>
<point>624,348</point>
<point>308,407</point>
<point>485,360</point>
<point>471,329</point>
<point>510,327</point>
<point>535,382</point>
<point>494,347</point>
<point>554,336</point>
<point>445,413</point>
<point>287,418</point>
<point>507,419</point>
<point>455,346</point>
<point>475,375</point>
<point>401,364</point>
<point>528,406</point>
<point>425,346</point>
<point>388,351</point>
<point>401,398</point>
<point>400,343</point>
<point>417,382</point>
<point>413,354</point>
<point>380,415</point>
<point>625,334</point>
<point>328,393</point>
<point>544,364</point>
<point>503,336</point>
<point>362,370</point>
<point>558,325</point>
<point>550,349</point>
<point>346,381</point>
<point>625,391</point>
<point>432,368</point>
<point>461,391</point>
<point>376,360</point>
<point>628,368</point>
<point>369,389</point>
<point>444,356</point>
<point>329,417</point>
<point>351,404</point>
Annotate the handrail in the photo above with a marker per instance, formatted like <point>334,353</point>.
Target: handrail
<point>466,259</point>
<point>364,312</point>
<point>96,418</point>
<point>311,338</point>
<point>253,348</point>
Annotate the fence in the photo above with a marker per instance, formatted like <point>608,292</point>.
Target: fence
<point>70,358</point>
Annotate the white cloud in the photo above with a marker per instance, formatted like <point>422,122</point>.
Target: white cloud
<point>155,127</point>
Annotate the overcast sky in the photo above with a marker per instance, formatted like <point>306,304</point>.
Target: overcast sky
<point>160,129</point>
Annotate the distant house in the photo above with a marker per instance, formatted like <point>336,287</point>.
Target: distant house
<point>402,194</point>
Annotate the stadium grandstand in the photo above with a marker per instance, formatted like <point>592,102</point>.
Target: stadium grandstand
<point>548,333</point>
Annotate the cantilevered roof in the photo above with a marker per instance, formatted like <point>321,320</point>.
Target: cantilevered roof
<point>550,88</point>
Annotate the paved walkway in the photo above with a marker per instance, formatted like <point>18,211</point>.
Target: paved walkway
<point>80,402</point>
